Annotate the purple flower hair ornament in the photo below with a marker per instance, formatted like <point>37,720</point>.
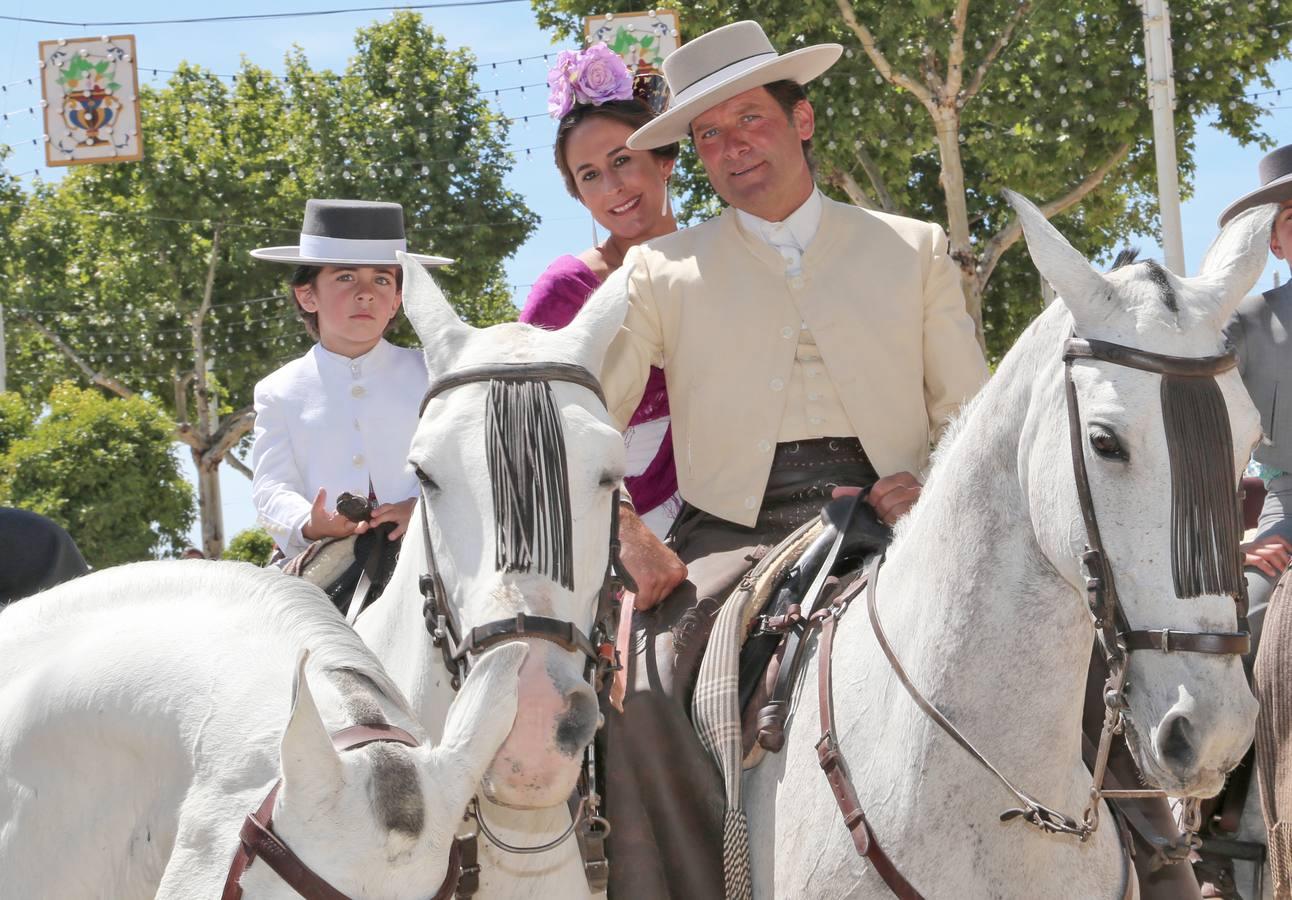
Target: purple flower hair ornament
<point>594,76</point>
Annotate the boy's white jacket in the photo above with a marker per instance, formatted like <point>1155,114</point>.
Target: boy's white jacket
<point>328,421</point>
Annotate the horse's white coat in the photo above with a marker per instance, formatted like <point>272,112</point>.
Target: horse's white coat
<point>532,774</point>
<point>143,713</point>
<point>983,601</point>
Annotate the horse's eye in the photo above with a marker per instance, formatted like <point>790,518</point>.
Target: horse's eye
<point>1105,443</point>
<point>427,481</point>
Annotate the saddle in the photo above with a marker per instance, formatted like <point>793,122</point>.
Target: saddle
<point>847,534</point>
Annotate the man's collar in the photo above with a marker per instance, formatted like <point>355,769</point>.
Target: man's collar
<point>802,223</point>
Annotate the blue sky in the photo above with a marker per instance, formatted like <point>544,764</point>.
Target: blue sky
<point>500,33</point>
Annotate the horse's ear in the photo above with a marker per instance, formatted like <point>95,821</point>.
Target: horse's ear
<point>309,763</point>
<point>1234,261</point>
<point>598,322</point>
<point>1081,288</point>
<point>436,322</point>
<point>479,721</point>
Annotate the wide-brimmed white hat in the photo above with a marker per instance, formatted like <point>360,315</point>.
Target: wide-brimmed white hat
<point>349,233</point>
<point>719,65</point>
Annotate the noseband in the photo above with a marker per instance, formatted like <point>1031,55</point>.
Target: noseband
<point>596,647</point>
<point>258,840</point>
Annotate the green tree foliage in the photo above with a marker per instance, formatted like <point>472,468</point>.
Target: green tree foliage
<point>101,467</point>
<point>937,106</point>
<point>16,419</point>
<point>136,276</point>
<point>253,545</point>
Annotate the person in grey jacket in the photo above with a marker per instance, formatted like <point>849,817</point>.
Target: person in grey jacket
<point>1261,334</point>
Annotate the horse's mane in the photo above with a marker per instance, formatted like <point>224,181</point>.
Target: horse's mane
<point>297,612</point>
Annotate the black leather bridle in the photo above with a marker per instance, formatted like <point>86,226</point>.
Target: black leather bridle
<point>456,648</point>
<point>596,646</point>
<point>1115,636</point>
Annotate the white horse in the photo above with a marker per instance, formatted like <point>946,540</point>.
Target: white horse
<point>984,601</point>
<point>144,712</point>
<point>525,791</point>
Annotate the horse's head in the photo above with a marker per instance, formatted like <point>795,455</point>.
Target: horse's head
<point>379,820</point>
<point>1163,443</point>
<point>518,476</point>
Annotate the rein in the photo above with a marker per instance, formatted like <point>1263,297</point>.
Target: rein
<point>596,647</point>
<point>257,840</point>
<point>1115,637</point>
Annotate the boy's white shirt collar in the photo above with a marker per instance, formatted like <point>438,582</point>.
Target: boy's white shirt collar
<point>799,227</point>
<point>379,354</point>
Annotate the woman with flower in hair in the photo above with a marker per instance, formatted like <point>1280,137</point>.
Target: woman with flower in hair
<point>592,97</point>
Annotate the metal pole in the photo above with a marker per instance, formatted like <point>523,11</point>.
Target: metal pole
<point>1161,95</point>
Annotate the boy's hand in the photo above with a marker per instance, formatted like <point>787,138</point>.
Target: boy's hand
<point>399,513</point>
<point>326,523</point>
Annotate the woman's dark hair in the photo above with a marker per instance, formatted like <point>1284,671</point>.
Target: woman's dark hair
<point>307,275</point>
<point>633,113</point>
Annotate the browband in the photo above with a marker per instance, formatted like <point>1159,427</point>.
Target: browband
<point>1159,363</point>
<point>567,372</point>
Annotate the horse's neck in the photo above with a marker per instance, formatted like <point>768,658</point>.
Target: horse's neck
<point>986,628</point>
<point>394,628</point>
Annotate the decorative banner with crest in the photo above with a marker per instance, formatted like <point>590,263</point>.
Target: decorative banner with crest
<point>91,104</point>
<point>642,39</point>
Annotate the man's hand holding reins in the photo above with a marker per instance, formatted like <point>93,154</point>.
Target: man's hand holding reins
<point>654,567</point>
<point>891,496</point>
<point>1269,554</point>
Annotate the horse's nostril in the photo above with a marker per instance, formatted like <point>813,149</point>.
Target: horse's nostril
<point>578,723</point>
<point>1175,743</point>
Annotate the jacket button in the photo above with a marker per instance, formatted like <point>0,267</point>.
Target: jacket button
<point>764,446</point>
<point>777,384</point>
<point>358,459</point>
<point>357,391</point>
<point>796,281</point>
<point>787,332</point>
<point>751,502</point>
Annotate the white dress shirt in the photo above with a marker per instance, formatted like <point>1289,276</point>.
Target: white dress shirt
<point>329,421</point>
<point>790,237</point>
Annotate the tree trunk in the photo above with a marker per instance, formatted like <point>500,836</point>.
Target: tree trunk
<point>211,509</point>
<point>952,177</point>
<point>208,473</point>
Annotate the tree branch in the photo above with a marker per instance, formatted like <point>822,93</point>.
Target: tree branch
<point>1001,42</point>
<point>199,346</point>
<point>232,461</point>
<point>107,382</point>
<point>880,61</point>
<point>1007,236</point>
<point>856,193</point>
<point>231,430</point>
<point>956,52</point>
<point>876,177</point>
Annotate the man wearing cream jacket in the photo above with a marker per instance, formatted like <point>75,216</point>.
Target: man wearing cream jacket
<point>807,345</point>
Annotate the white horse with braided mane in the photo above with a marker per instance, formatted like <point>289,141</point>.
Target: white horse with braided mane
<point>497,528</point>
<point>145,710</point>
<point>984,601</point>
